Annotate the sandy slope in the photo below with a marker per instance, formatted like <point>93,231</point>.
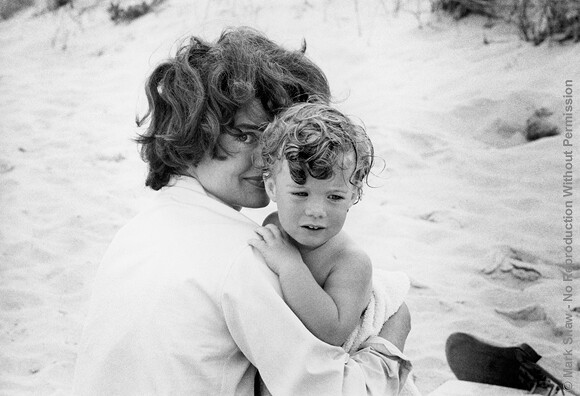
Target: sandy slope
<point>468,209</point>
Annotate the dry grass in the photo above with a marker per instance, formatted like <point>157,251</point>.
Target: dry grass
<point>10,7</point>
<point>537,20</point>
<point>119,13</point>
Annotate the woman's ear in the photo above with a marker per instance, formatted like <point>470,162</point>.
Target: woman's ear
<point>270,185</point>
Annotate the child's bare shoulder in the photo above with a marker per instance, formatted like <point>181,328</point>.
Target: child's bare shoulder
<point>272,218</point>
<point>347,254</point>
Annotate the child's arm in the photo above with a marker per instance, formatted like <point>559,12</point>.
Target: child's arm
<point>330,313</point>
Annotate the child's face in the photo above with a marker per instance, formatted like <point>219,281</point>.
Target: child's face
<point>314,212</point>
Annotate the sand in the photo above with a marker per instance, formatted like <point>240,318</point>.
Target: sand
<point>465,205</point>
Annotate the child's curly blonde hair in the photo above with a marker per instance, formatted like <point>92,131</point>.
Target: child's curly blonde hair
<point>314,138</point>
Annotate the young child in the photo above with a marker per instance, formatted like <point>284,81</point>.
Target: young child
<point>316,161</point>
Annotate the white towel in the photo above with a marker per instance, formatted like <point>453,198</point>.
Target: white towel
<point>389,291</point>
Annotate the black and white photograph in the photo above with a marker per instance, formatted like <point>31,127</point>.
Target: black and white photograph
<point>294,197</point>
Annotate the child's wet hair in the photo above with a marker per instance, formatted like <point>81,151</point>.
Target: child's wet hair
<point>314,138</point>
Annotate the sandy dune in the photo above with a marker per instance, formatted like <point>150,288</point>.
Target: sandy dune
<point>465,205</point>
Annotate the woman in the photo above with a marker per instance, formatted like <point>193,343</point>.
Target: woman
<point>181,303</point>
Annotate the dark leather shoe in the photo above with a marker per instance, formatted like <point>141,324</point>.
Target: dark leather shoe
<point>475,360</point>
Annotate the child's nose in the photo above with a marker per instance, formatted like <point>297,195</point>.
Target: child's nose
<point>315,209</point>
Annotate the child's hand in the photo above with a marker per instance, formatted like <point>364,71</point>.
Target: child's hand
<point>276,249</point>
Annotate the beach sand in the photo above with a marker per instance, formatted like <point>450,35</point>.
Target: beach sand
<point>464,205</point>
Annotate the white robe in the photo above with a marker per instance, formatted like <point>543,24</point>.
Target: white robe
<point>183,305</point>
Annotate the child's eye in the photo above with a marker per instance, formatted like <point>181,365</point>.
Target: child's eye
<point>335,197</point>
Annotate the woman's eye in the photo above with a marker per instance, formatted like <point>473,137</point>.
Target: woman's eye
<point>247,138</point>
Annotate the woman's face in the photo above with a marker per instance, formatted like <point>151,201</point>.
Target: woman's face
<point>234,180</point>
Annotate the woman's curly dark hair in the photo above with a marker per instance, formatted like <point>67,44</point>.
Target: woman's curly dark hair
<point>315,138</point>
<point>194,95</point>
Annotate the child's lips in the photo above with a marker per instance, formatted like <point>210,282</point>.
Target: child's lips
<point>313,227</point>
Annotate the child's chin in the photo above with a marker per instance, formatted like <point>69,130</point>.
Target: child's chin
<point>309,243</point>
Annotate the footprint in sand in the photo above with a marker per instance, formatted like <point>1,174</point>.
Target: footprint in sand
<point>532,313</point>
<point>20,366</point>
<point>517,268</point>
<point>15,300</point>
<point>111,157</point>
<point>509,121</point>
<point>442,217</point>
<point>536,313</point>
<point>5,167</point>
